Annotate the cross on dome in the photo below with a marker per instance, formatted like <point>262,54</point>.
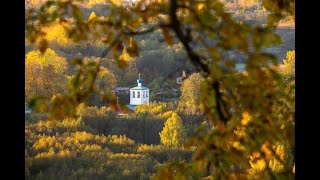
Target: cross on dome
<point>139,81</point>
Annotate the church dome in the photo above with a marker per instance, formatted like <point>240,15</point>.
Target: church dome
<point>139,80</point>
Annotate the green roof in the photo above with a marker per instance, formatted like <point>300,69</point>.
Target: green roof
<point>139,88</point>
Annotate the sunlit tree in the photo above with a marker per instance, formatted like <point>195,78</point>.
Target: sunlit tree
<point>173,133</point>
<point>45,74</point>
<point>105,84</point>
<point>106,80</point>
<point>56,34</point>
<point>190,102</point>
<point>288,68</point>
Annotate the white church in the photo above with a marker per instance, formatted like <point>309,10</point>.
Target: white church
<point>139,94</point>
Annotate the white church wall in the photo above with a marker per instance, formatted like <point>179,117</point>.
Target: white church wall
<point>143,99</point>
<point>139,95</point>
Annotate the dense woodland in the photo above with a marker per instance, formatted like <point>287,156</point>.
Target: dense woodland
<point>173,135</point>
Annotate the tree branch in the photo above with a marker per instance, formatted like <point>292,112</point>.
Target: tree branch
<point>195,58</point>
<point>114,42</point>
<point>131,32</point>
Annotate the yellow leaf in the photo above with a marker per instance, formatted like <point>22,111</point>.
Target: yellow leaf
<point>200,6</point>
<point>122,63</point>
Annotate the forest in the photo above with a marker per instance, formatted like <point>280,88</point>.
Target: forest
<point>221,122</point>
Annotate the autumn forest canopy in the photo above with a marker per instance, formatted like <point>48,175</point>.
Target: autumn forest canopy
<point>221,75</point>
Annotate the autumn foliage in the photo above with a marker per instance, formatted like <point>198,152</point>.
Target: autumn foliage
<point>237,124</point>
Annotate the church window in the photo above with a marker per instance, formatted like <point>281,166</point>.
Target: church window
<point>144,94</point>
<point>147,93</point>
<point>133,94</point>
<point>138,94</point>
